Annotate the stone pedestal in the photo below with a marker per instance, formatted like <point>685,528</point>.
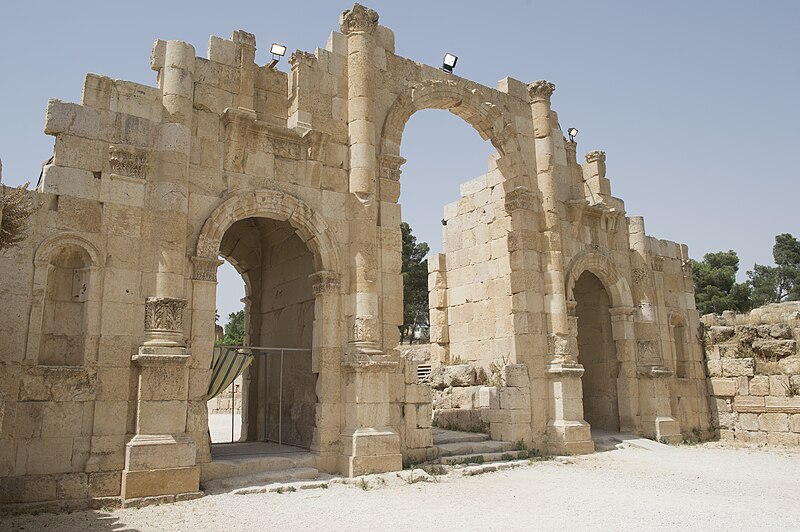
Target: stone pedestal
<point>368,444</point>
<point>567,432</point>
<point>160,459</point>
<point>654,393</point>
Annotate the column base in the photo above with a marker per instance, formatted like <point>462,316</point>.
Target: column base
<point>158,465</point>
<point>178,482</point>
<point>569,437</point>
<point>370,450</point>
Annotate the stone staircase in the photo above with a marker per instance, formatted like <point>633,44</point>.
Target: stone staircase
<point>466,447</point>
<point>234,471</point>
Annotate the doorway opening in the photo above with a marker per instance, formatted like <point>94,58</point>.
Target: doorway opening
<point>274,397</point>
<point>597,353</point>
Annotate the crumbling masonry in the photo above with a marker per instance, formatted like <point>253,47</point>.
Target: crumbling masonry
<point>294,178</point>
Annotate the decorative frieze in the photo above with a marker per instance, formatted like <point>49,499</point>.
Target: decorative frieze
<point>286,148</point>
<point>128,162</point>
<point>164,314</point>
<point>207,248</point>
<point>326,282</point>
<point>205,269</point>
<point>358,19</point>
<point>640,276</point>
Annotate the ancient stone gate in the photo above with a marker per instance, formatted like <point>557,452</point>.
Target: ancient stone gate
<point>111,302</point>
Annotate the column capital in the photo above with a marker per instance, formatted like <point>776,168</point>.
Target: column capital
<point>541,90</point>
<point>390,166</point>
<point>520,198</point>
<point>163,321</point>
<point>595,156</point>
<point>359,19</point>
<point>205,269</point>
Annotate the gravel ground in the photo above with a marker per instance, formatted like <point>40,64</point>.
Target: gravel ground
<point>705,487</point>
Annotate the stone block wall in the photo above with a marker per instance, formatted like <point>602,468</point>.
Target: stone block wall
<point>754,374</point>
<point>417,413</point>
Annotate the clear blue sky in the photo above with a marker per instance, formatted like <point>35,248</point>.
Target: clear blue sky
<point>695,103</point>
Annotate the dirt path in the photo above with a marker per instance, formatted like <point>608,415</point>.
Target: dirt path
<point>708,487</point>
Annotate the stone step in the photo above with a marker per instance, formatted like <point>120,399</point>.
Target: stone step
<point>237,466</point>
<point>443,436</point>
<point>260,479</point>
<point>481,457</point>
<point>474,447</point>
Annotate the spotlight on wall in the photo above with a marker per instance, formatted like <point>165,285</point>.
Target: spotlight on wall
<point>277,51</point>
<point>572,132</point>
<point>449,62</point>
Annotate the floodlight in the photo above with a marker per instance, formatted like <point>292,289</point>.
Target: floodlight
<point>572,132</point>
<point>449,62</point>
<point>277,51</point>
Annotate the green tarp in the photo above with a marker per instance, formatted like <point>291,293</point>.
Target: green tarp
<point>227,363</point>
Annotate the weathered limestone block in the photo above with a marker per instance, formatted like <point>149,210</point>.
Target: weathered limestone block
<point>775,348</point>
<point>720,333</point>
<point>746,333</point>
<point>735,367</point>
<point>456,375</point>
<point>774,422</point>
<point>781,331</point>
<point>723,387</point>
<point>759,385</point>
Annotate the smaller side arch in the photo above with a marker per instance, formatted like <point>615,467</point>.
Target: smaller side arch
<point>601,266</point>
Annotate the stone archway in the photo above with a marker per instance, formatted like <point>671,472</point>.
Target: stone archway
<point>325,286</point>
<point>600,296</point>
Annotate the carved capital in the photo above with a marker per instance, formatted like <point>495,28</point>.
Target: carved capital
<point>640,277</point>
<point>390,166</point>
<point>541,90</point>
<point>207,248</point>
<point>164,314</point>
<point>519,198</point>
<point>299,57</point>
<point>595,156</point>
<point>326,282</point>
<point>205,269</point>
<point>358,19</point>
<point>128,162</point>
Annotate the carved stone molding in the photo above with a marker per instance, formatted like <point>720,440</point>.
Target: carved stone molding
<point>164,314</point>
<point>647,352</point>
<point>541,89</point>
<point>205,269</point>
<point>622,313</point>
<point>286,148</point>
<point>358,19</point>
<point>390,166</point>
<point>519,198</point>
<point>325,282</point>
<point>640,276</point>
<point>595,156</point>
<point>364,329</point>
<point>207,248</point>
<point>128,162</point>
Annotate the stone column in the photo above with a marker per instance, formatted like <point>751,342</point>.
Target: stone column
<point>367,443</point>
<point>566,430</point>
<point>598,187</point>
<point>622,330</point>
<point>160,458</point>
<point>359,24</point>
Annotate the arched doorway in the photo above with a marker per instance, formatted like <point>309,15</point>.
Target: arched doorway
<point>597,353</point>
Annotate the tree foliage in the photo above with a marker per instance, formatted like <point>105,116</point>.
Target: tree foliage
<point>234,329</point>
<point>16,206</point>
<point>774,284</point>
<point>715,286</point>
<point>415,283</point>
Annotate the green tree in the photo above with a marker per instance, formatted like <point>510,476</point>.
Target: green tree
<point>415,283</point>
<point>16,207</point>
<point>715,286</point>
<point>774,284</point>
<point>234,329</point>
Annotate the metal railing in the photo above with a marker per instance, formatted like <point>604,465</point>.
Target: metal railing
<point>265,352</point>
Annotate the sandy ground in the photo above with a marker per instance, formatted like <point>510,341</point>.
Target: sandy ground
<point>707,487</point>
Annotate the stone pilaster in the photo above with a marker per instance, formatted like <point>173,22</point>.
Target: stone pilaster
<point>437,303</point>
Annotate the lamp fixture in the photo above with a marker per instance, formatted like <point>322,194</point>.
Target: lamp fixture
<point>572,132</point>
<point>277,51</point>
<point>449,62</point>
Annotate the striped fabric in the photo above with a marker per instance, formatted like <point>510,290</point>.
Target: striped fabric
<point>226,364</point>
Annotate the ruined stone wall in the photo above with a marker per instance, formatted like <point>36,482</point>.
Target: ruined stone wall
<point>754,374</point>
